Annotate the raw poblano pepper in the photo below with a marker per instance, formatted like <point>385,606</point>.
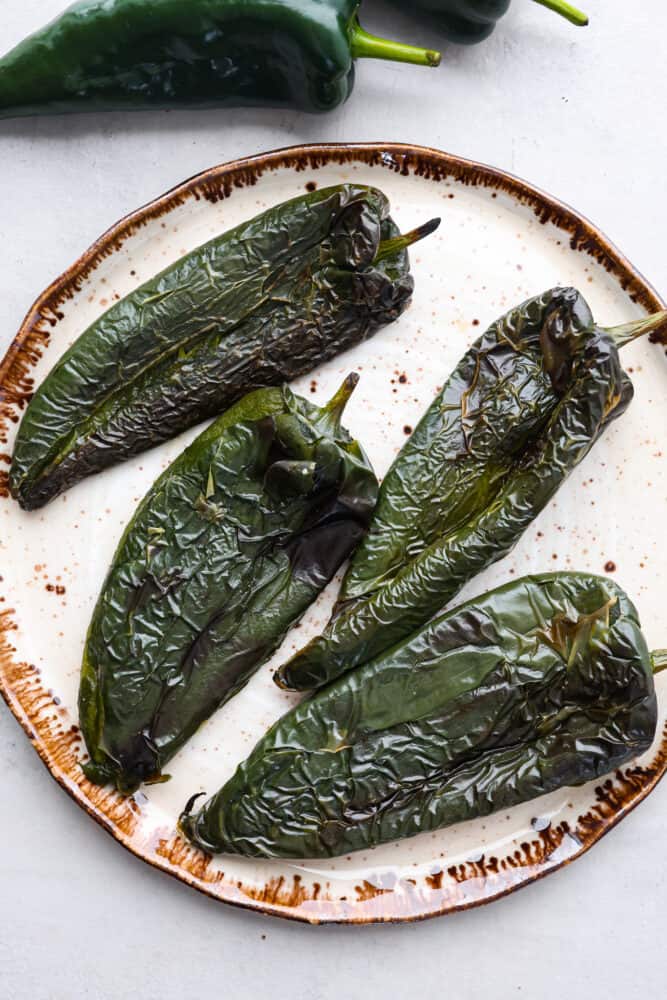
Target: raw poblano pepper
<point>103,55</point>
<point>471,21</point>
<point>227,550</point>
<point>257,306</point>
<point>522,409</point>
<point>544,683</point>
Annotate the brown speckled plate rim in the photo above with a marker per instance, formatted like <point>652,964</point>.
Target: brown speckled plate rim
<point>469,885</point>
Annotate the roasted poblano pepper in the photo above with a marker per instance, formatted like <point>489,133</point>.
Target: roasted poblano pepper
<point>102,55</point>
<point>521,410</point>
<point>224,554</point>
<point>471,21</point>
<point>544,683</point>
<point>256,307</point>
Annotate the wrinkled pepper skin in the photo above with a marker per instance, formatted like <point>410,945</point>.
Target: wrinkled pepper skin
<point>255,307</point>
<point>520,412</point>
<point>544,683</point>
<point>104,55</point>
<point>227,550</point>
<point>470,21</point>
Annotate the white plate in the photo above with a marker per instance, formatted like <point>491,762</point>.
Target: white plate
<point>500,242</point>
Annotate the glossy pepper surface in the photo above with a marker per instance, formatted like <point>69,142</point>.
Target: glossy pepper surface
<point>471,21</point>
<point>522,409</point>
<point>544,683</point>
<point>257,306</point>
<point>224,554</point>
<point>103,55</point>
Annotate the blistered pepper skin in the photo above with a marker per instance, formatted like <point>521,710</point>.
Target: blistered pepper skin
<point>107,55</point>
<point>520,412</point>
<point>227,550</point>
<point>544,683</point>
<point>255,307</point>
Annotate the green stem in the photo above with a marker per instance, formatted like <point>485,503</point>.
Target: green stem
<point>332,413</point>
<point>622,335</point>
<point>366,46</point>
<point>659,660</point>
<point>397,243</point>
<point>567,11</point>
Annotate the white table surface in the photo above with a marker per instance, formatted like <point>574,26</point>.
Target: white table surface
<point>577,112</point>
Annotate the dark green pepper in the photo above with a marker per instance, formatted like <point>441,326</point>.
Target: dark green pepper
<point>522,409</point>
<point>471,21</point>
<point>227,550</point>
<point>257,306</point>
<point>541,684</point>
<point>103,55</point>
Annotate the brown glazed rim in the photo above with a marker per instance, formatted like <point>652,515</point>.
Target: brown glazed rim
<point>455,888</point>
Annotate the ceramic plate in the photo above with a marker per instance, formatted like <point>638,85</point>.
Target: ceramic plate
<point>500,242</point>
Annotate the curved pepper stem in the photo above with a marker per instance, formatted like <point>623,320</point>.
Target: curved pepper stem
<point>332,413</point>
<point>191,803</point>
<point>366,46</point>
<point>388,248</point>
<point>659,660</point>
<point>656,324</point>
<point>567,11</point>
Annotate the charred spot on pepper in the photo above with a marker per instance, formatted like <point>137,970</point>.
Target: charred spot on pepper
<point>210,511</point>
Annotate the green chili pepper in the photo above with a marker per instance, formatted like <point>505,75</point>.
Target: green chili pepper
<point>258,306</point>
<point>103,55</point>
<point>522,409</point>
<point>471,21</point>
<point>544,683</point>
<point>227,550</point>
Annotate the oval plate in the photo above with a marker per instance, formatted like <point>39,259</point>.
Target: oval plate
<point>500,242</point>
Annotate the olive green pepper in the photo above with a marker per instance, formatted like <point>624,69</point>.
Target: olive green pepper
<point>471,21</point>
<point>227,550</point>
<point>522,409</point>
<point>257,306</point>
<point>103,55</point>
<point>544,683</point>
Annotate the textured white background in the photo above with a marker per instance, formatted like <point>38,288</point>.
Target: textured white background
<point>579,113</point>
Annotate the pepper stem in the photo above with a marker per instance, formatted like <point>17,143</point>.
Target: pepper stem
<point>332,413</point>
<point>395,244</point>
<point>567,11</point>
<point>191,803</point>
<point>366,46</point>
<point>622,335</point>
<point>659,660</point>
